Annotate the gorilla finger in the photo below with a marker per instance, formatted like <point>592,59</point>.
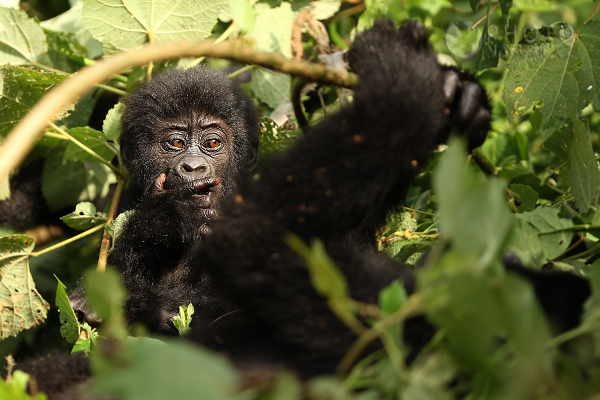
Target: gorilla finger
<point>204,231</point>
<point>414,31</point>
<point>159,183</point>
<point>469,102</point>
<point>478,128</point>
<point>211,214</point>
<point>202,201</point>
<point>451,84</point>
<point>200,185</point>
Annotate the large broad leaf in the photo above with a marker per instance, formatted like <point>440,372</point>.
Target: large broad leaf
<point>583,176</point>
<point>20,89</point>
<point>111,127</point>
<point>22,40</point>
<point>65,53</point>
<point>473,215</point>
<point>555,76</point>
<point>70,21</point>
<point>546,219</point>
<point>150,369</point>
<point>84,217</point>
<point>69,326</point>
<point>126,24</point>
<point>21,306</point>
<point>272,32</point>
<point>272,88</point>
<point>92,139</point>
<point>274,137</point>
<point>66,183</point>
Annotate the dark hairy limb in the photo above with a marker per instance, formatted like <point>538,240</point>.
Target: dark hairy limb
<point>337,184</point>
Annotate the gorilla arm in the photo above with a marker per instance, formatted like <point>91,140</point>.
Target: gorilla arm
<point>338,184</point>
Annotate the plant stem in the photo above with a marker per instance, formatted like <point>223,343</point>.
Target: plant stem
<point>99,85</point>
<point>220,39</point>
<point>112,89</point>
<point>583,227</point>
<point>568,335</point>
<point>240,71</point>
<point>483,163</point>
<point>65,242</point>
<point>414,305</point>
<point>87,150</point>
<point>22,138</point>
<point>112,214</point>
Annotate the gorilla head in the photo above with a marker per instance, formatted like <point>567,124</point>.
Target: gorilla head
<point>189,124</point>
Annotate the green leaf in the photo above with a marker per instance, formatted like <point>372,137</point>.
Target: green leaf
<point>66,183</point>
<point>65,53</point>
<point>583,175</point>
<point>69,326</point>
<point>326,277</point>
<point>111,127</point>
<point>84,342</point>
<point>183,319</point>
<point>20,89</point>
<point>22,307</point>
<point>92,139</point>
<point>117,226</point>
<point>149,369</point>
<point>22,40</point>
<point>243,13</point>
<point>430,378</point>
<point>272,88</point>
<point>555,75</point>
<point>274,137</point>
<point>123,26</point>
<point>17,388</point>
<point>84,217</point>
<point>105,293</point>
<point>323,9</point>
<point>546,219</point>
<point>272,30</point>
<point>528,196</point>
<point>272,33</point>
<point>473,215</point>
<point>393,297</point>
<point>526,244</point>
<point>71,21</point>
<point>81,113</point>
<point>492,323</point>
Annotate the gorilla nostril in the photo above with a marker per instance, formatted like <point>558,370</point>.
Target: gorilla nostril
<point>192,168</point>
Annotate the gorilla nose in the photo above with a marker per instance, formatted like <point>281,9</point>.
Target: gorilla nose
<point>193,168</point>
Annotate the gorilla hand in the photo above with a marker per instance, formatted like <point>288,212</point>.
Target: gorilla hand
<point>190,203</point>
<point>467,105</point>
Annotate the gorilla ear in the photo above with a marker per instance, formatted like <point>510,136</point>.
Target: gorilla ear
<point>126,156</point>
<point>252,159</point>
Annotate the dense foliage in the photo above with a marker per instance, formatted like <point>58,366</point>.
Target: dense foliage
<point>533,188</point>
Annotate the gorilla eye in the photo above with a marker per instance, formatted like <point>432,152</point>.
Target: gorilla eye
<point>176,143</point>
<point>211,144</point>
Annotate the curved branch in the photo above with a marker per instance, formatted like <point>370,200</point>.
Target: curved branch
<point>22,138</point>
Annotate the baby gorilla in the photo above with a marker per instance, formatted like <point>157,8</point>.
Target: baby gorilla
<point>186,137</point>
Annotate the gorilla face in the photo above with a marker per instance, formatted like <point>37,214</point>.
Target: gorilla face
<point>189,125</point>
<point>193,148</point>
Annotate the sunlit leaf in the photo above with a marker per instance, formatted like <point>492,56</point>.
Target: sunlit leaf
<point>20,89</point>
<point>126,25</point>
<point>21,306</point>
<point>22,40</point>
